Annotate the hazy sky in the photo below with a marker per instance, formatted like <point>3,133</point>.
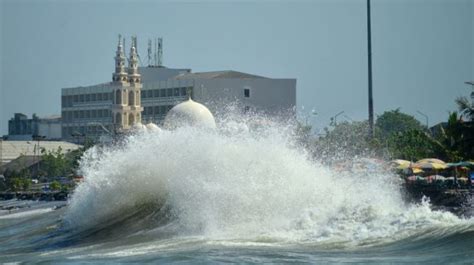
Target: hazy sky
<point>423,50</point>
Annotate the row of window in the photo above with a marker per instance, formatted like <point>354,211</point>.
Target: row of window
<point>69,101</point>
<point>68,116</point>
<point>82,131</point>
<point>168,92</point>
<point>156,110</point>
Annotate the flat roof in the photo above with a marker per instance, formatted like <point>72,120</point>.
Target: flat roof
<point>13,149</point>
<point>218,74</point>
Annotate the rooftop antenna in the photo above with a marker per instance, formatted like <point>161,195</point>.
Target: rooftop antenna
<point>160,52</point>
<point>135,44</point>
<point>149,53</point>
<point>155,52</point>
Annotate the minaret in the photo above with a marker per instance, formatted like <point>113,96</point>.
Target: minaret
<point>135,83</point>
<point>119,75</point>
<point>126,107</point>
<point>133,75</point>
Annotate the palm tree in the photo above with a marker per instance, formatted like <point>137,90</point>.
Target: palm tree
<point>466,108</point>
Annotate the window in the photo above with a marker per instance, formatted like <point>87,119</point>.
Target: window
<point>183,91</point>
<point>156,93</point>
<point>246,92</point>
<point>176,92</point>
<point>162,109</point>
<point>93,97</point>
<point>99,97</point>
<point>157,110</point>
<point>162,92</point>
<point>131,98</point>
<point>76,98</point>
<point>118,97</point>
<point>169,92</point>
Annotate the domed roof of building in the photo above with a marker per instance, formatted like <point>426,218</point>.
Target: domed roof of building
<point>189,113</point>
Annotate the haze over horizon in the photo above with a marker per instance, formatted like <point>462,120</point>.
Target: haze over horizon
<point>423,50</point>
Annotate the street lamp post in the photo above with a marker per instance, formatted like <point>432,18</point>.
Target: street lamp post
<point>369,50</point>
<point>1,152</point>
<point>424,115</point>
<point>334,118</point>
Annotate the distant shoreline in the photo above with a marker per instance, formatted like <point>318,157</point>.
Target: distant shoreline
<point>35,195</point>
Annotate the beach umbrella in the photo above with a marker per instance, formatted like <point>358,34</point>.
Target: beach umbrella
<point>435,166</point>
<point>431,160</point>
<point>400,164</point>
<point>461,164</point>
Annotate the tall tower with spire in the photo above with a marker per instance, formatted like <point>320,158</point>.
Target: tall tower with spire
<point>120,75</point>
<point>126,108</point>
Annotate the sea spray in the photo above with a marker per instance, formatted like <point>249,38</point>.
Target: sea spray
<point>242,184</point>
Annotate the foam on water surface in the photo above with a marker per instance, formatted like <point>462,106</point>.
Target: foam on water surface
<point>241,185</point>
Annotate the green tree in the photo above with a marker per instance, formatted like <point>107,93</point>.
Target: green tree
<point>347,139</point>
<point>411,145</point>
<point>395,122</point>
<point>55,185</point>
<point>466,108</point>
<point>54,163</point>
<point>456,139</point>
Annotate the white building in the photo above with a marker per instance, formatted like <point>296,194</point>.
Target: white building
<point>94,110</point>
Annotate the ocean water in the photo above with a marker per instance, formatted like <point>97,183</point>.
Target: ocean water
<point>231,195</point>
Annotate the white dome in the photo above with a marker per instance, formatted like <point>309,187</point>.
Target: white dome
<point>189,113</point>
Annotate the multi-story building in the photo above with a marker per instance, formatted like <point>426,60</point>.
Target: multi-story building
<point>146,94</point>
<point>22,128</point>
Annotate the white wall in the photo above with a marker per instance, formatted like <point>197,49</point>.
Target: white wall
<point>271,96</point>
<point>52,130</point>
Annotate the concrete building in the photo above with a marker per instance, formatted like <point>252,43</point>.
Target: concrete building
<point>110,107</point>
<point>22,128</point>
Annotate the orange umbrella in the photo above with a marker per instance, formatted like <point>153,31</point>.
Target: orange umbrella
<point>431,160</point>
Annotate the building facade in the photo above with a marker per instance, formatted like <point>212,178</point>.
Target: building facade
<point>20,127</point>
<point>146,94</point>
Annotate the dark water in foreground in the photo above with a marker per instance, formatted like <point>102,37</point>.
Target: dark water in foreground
<point>36,234</point>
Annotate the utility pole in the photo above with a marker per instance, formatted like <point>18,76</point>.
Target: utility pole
<point>426,118</point>
<point>369,49</point>
<point>1,152</point>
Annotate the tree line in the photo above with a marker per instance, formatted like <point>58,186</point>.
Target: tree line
<point>398,135</point>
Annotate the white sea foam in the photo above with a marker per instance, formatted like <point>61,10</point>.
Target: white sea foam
<point>244,184</point>
<point>24,214</point>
